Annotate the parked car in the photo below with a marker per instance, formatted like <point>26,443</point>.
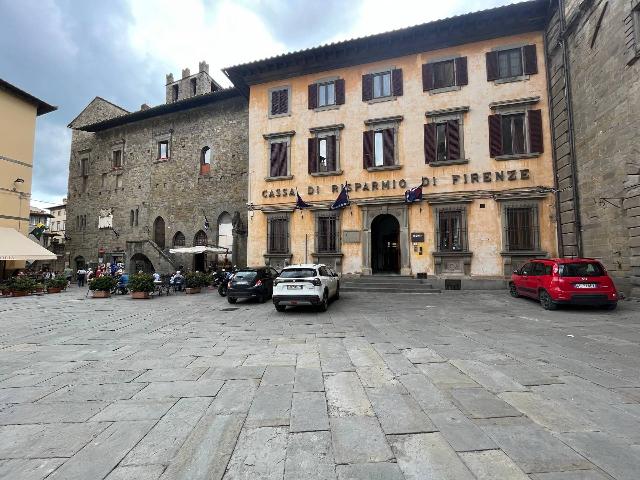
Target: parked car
<point>306,284</point>
<point>580,281</point>
<point>251,282</point>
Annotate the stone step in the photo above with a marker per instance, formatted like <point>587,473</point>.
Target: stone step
<point>385,284</point>
<point>394,289</point>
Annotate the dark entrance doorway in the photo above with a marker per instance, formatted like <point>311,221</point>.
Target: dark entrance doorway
<point>385,244</point>
<point>158,232</point>
<point>140,262</point>
<point>199,262</point>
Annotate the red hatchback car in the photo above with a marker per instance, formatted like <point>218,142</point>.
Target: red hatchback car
<point>556,281</point>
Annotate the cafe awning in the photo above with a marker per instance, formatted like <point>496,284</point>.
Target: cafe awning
<point>15,246</point>
<point>200,249</point>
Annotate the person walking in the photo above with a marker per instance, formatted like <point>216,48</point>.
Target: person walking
<point>82,274</point>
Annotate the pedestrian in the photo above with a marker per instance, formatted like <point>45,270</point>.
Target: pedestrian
<point>68,274</point>
<point>81,275</point>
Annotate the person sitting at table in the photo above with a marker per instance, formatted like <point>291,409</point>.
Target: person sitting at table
<point>156,277</point>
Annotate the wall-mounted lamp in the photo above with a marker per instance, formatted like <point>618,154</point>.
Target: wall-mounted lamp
<point>19,180</point>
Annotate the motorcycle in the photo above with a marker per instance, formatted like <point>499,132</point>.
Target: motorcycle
<point>224,283</point>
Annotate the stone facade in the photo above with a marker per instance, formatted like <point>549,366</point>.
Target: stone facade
<point>144,198</point>
<point>593,47</point>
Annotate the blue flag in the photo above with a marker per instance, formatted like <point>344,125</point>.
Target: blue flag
<point>413,195</point>
<point>342,200</point>
<point>301,204</point>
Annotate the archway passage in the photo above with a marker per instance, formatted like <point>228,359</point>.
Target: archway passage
<point>140,262</point>
<point>158,232</point>
<point>80,262</point>
<point>385,244</point>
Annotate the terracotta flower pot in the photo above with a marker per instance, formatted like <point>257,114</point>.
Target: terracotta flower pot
<point>19,293</point>
<point>139,294</point>
<point>39,289</point>
<point>193,290</point>
<point>54,289</point>
<point>101,294</point>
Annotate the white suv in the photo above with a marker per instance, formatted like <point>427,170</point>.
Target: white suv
<point>307,284</point>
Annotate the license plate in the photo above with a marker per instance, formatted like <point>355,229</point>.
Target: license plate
<point>294,287</point>
<point>586,285</point>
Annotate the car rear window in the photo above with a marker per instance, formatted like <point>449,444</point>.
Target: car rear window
<point>246,276</point>
<point>298,273</point>
<point>580,269</point>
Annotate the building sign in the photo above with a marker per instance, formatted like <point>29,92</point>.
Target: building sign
<point>456,179</point>
<point>417,237</point>
<point>351,236</point>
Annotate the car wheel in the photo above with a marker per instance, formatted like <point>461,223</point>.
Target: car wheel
<point>513,291</point>
<point>611,306</point>
<point>281,308</point>
<point>232,300</point>
<point>325,302</point>
<point>546,301</point>
<point>337,295</point>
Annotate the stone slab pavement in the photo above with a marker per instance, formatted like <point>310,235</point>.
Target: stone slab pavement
<point>458,385</point>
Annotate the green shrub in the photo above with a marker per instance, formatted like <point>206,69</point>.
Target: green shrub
<point>58,282</point>
<point>140,282</point>
<point>103,284</point>
<point>195,280</point>
<point>22,284</point>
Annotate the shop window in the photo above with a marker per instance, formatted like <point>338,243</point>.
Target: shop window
<point>451,231</point>
<point>522,232</point>
<point>179,240</point>
<point>278,235</point>
<point>327,233</point>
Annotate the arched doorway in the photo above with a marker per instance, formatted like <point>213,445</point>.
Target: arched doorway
<point>158,232</point>
<point>80,263</point>
<point>199,259</point>
<point>225,235</point>
<point>140,262</point>
<point>385,244</point>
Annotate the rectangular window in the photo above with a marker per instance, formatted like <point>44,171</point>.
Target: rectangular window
<point>444,74</point>
<point>84,167</point>
<point>327,233</point>
<point>323,165</point>
<point>441,142</point>
<point>513,134</point>
<point>116,160</point>
<point>163,150</point>
<point>278,161</point>
<point>174,90</point>
<point>194,86</point>
<point>522,231</point>
<point>279,101</point>
<point>452,234</point>
<point>278,235</point>
<point>326,94</point>
<point>382,84</point>
<point>118,181</point>
<point>378,148</point>
<point>510,63</point>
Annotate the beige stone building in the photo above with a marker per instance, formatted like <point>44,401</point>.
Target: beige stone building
<point>457,106</point>
<point>17,134</point>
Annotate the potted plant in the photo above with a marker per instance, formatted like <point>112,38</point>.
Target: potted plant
<point>141,285</point>
<point>39,287</point>
<point>194,281</point>
<point>56,285</point>
<point>22,286</point>
<point>102,286</point>
<point>5,288</point>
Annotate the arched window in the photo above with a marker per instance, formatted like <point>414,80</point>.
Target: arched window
<point>200,239</point>
<point>178,239</point>
<point>225,231</point>
<point>158,232</point>
<point>205,160</point>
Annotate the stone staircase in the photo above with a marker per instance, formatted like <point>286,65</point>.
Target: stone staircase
<point>386,284</point>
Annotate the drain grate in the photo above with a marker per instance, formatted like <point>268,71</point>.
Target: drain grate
<point>452,284</point>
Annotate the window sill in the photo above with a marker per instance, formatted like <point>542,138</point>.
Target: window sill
<point>453,253</point>
<point>327,254</point>
<point>522,78</point>
<point>524,253</point>
<point>452,88</point>
<point>326,107</point>
<point>116,169</point>
<point>384,168</point>
<point>326,174</point>
<point>521,156</point>
<point>161,160</point>
<point>277,179</point>
<point>390,98</point>
<point>279,115</point>
<point>278,255</point>
<point>462,161</point>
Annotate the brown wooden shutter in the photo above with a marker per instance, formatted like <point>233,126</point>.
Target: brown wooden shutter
<point>530,60</point>
<point>462,74</point>
<point>427,77</point>
<point>275,102</point>
<point>495,135</point>
<point>332,164</point>
<point>396,82</point>
<point>282,159</point>
<point>367,87</point>
<point>284,101</point>
<point>429,142</point>
<point>453,140</point>
<point>367,149</point>
<point>313,155</point>
<point>535,131</point>
<point>313,96</point>
<point>388,146</point>
<point>340,91</point>
<point>492,66</point>
<point>273,160</point>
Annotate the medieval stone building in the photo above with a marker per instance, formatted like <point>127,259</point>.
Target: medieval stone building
<point>593,47</point>
<point>141,183</point>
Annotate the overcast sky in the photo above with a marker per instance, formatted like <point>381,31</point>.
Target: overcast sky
<point>66,52</point>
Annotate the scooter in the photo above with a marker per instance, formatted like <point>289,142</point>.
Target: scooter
<point>224,283</point>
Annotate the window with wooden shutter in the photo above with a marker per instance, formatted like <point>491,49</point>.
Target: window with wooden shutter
<point>632,33</point>
<point>453,140</point>
<point>367,149</point>
<point>367,87</point>
<point>313,96</point>
<point>279,99</point>
<point>427,77</point>
<point>396,79</point>
<point>340,91</point>
<point>536,144</point>
<point>313,155</point>
<point>388,146</point>
<point>430,143</point>
<point>278,159</point>
<point>495,135</point>
<point>492,66</point>
<point>382,84</point>
<point>462,74</point>
<point>530,57</point>
<point>332,153</point>
<point>513,134</point>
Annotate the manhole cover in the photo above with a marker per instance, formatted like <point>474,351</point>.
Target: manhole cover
<point>228,309</point>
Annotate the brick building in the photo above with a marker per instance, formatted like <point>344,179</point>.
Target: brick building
<point>593,47</point>
<point>143,182</point>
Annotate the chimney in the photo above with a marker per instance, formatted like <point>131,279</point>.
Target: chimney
<point>186,73</point>
<point>169,78</point>
<point>203,67</point>
<point>144,106</point>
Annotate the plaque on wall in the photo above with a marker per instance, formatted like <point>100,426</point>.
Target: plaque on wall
<point>351,236</point>
<point>417,237</point>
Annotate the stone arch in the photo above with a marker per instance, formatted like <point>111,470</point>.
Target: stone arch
<point>139,262</point>
<point>79,262</point>
<point>200,238</point>
<point>225,231</point>
<point>159,232</point>
<point>179,240</point>
<point>400,212</point>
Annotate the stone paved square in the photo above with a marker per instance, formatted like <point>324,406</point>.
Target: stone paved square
<point>459,385</point>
